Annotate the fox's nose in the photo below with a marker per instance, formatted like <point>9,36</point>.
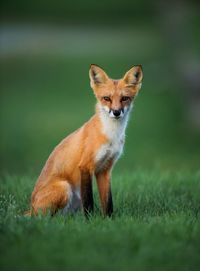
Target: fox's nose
<point>116,113</point>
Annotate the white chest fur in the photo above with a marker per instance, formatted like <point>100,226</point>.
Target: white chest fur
<point>114,130</point>
<point>108,152</point>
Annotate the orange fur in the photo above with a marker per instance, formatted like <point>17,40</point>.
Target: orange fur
<point>104,187</point>
<point>72,163</point>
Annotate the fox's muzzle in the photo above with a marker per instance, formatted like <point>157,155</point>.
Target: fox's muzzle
<point>116,112</point>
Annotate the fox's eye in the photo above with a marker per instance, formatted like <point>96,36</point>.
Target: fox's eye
<point>125,98</point>
<point>107,99</point>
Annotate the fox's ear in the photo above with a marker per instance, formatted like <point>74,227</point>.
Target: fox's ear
<point>97,75</point>
<point>133,76</point>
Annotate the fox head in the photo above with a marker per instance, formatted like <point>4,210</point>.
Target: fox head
<point>115,97</point>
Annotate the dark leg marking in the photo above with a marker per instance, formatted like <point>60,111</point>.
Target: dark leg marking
<point>87,194</point>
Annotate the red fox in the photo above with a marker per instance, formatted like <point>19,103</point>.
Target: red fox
<point>66,179</point>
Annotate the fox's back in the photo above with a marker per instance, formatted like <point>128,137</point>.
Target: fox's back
<point>76,151</point>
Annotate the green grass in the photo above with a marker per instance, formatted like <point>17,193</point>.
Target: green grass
<point>156,226</point>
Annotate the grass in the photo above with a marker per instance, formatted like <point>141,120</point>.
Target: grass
<point>156,226</point>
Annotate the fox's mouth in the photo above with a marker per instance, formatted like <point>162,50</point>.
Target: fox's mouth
<point>113,114</point>
<point>116,117</point>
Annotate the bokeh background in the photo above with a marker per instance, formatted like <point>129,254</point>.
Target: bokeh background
<point>46,48</point>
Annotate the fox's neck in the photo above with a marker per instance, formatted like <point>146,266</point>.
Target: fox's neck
<point>114,129</point>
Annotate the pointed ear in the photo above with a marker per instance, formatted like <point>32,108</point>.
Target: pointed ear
<point>97,75</point>
<point>133,76</point>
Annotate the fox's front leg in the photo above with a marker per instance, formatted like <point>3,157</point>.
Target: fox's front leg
<point>86,193</point>
<point>104,187</point>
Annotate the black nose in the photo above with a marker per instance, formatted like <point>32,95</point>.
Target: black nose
<point>116,113</point>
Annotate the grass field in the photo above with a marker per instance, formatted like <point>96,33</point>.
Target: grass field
<point>156,226</point>
<point>156,183</point>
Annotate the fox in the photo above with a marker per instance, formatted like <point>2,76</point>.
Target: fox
<point>66,180</point>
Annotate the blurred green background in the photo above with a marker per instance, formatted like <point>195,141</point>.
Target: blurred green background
<point>45,53</point>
